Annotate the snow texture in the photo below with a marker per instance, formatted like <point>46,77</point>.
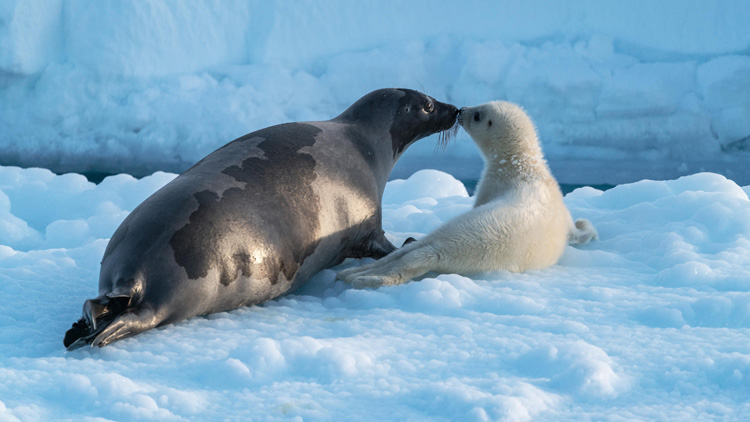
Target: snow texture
<point>651,322</point>
<point>620,90</point>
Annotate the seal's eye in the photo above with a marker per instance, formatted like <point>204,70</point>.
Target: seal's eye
<point>429,107</point>
<point>476,116</point>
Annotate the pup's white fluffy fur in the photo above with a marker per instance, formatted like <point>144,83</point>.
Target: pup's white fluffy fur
<point>519,220</point>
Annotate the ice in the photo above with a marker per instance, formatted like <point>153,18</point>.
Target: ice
<point>138,87</point>
<point>432,184</point>
<point>724,81</point>
<point>648,323</point>
<point>225,37</point>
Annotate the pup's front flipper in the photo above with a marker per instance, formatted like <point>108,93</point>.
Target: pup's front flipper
<point>369,281</point>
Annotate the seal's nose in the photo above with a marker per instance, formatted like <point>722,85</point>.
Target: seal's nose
<point>448,114</point>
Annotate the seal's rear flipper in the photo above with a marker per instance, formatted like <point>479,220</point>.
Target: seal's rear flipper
<point>129,323</point>
<point>76,336</point>
<point>97,315</point>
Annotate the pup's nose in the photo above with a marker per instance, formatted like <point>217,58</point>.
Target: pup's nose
<point>460,117</point>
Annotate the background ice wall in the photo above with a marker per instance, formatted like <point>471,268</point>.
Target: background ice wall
<point>619,91</point>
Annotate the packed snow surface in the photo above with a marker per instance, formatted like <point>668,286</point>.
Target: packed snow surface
<point>651,322</point>
<point>621,91</point>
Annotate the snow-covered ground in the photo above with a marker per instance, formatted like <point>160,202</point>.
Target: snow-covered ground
<point>652,322</point>
<point>621,91</point>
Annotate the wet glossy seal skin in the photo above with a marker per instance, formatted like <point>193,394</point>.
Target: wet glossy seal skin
<point>257,218</point>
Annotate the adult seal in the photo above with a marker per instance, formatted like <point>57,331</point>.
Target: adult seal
<point>257,218</point>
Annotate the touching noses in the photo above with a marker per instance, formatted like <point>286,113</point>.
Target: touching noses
<point>461,113</point>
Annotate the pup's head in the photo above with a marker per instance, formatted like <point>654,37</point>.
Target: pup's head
<point>499,127</point>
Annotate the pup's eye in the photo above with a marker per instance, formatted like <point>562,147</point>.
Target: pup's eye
<point>476,116</point>
<point>489,123</point>
<point>429,107</point>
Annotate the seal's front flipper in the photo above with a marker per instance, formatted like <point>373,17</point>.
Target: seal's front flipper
<point>97,315</point>
<point>379,246</point>
<point>376,246</point>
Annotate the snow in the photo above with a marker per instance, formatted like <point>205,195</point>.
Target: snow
<point>619,91</point>
<point>651,322</point>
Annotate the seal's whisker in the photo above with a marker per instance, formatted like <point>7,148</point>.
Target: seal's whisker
<point>445,137</point>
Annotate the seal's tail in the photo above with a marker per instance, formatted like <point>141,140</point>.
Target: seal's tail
<point>582,233</point>
<point>98,314</point>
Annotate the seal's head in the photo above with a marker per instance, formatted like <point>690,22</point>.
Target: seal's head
<point>407,114</point>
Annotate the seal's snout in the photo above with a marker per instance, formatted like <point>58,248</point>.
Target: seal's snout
<point>452,119</point>
<point>453,113</point>
<point>447,124</point>
<point>445,118</point>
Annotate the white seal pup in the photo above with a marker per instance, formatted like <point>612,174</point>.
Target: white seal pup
<point>519,220</point>
<point>258,217</point>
